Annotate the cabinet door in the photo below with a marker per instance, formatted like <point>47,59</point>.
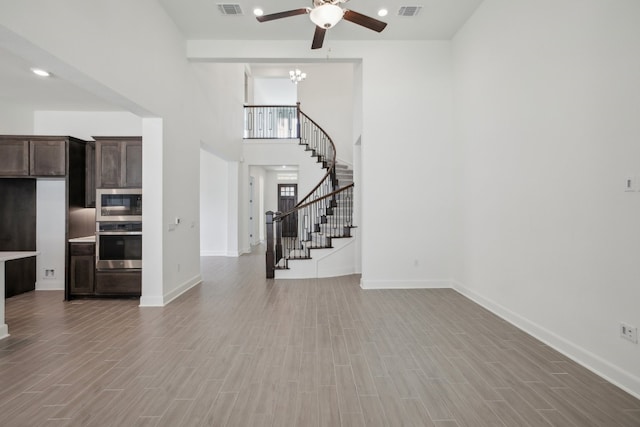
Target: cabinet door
<point>81,274</point>
<point>90,176</point>
<point>119,282</point>
<point>20,276</point>
<point>14,157</point>
<point>48,158</point>
<point>132,164</point>
<point>108,164</point>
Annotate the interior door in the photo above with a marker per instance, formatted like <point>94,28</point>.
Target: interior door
<point>287,199</point>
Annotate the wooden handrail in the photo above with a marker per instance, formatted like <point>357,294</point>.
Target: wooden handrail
<point>333,160</point>
<point>278,217</point>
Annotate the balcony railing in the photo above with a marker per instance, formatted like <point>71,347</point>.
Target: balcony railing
<point>271,122</point>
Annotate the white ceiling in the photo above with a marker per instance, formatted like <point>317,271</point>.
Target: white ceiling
<point>200,19</point>
<point>437,20</point>
<point>20,87</point>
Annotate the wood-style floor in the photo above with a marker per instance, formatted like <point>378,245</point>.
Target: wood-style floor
<point>240,350</point>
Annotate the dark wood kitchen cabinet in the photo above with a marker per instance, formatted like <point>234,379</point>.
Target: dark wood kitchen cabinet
<point>14,157</point>
<point>90,175</point>
<point>48,157</point>
<point>18,232</point>
<point>82,267</point>
<point>19,276</point>
<point>34,156</point>
<point>118,162</point>
<point>121,283</point>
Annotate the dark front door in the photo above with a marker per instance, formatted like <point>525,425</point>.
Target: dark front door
<point>287,199</point>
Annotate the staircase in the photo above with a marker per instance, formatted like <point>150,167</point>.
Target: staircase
<point>323,219</point>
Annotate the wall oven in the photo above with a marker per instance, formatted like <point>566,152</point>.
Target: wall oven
<point>118,245</point>
<point>119,204</point>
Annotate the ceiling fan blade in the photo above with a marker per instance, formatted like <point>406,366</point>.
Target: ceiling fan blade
<point>280,15</point>
<point>318,37</point>
<point>364,20</point>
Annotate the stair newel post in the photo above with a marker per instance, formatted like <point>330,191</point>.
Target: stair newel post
<point>270,256</point>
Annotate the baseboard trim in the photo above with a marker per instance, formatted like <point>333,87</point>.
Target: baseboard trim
<point>4,331</point>
<point>213,253</point>
<point>405,284</point>
<point>169,297</point>
<point>612,373</point>
<point>151,302</point>
<point>184,287</point>
<point>230,254</point>
<point>50,285</point>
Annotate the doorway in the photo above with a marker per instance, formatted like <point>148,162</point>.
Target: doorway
<point>287,199</point>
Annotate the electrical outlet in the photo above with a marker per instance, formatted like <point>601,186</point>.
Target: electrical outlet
<point>49,273</point>
<point>630,183</point>
<point>629,333</point>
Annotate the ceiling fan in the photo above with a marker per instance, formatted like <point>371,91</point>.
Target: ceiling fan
<point>325,14</point>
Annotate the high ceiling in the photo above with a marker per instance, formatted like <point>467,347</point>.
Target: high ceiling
<point>201,19</point>
<point>20,87</point>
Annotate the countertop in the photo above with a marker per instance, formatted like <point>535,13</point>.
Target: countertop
<point>86,239</point>
<point>9,255</point>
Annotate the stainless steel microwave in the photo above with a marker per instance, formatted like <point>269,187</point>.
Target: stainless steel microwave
<point>119,204</point>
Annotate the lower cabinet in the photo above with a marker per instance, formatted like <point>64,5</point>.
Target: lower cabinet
<point>86,281</point>
<point>119,282</point>
<point>19,276</point>
<point>82,266</point>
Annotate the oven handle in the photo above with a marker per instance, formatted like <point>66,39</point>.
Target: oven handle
<point>119,233</point>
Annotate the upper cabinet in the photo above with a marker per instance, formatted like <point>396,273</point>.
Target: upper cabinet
<point>118,162</point>
<point>32,156</point>
<point>90,175</point>
<point>14,156</point>
<point>47,157</point>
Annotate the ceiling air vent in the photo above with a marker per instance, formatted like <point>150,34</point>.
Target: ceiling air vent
<point>409,10</point>
<point>229,9</point>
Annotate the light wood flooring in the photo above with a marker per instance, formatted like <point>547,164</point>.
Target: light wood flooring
<point>240,350</point>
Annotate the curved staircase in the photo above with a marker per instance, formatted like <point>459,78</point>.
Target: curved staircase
<point>317,226</point>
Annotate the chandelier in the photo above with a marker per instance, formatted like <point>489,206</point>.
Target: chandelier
<point>297,76</point>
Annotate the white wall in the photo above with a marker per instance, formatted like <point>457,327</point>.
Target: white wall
<point>86,125</point>
<point>406,159</point>
<point>259,174</point>
<point>547,128</point>
<point>50,233</point>
<point>221,118</point>
<point>15,120</point>
<point>213,205</point>
<point>273,91</point>
<point>326,96</point>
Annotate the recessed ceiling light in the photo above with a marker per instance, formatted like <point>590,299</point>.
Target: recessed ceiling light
<point>383,12</point>
<point>258,12</point>
<point>284,167</point>
<point>40,72</point>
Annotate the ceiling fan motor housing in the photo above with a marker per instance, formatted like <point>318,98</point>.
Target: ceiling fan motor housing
<point>326,15</point>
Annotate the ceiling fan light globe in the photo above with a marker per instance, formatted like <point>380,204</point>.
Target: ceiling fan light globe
<point>327,15</point>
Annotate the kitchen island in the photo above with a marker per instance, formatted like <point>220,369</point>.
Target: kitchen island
<point>8,256</point>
